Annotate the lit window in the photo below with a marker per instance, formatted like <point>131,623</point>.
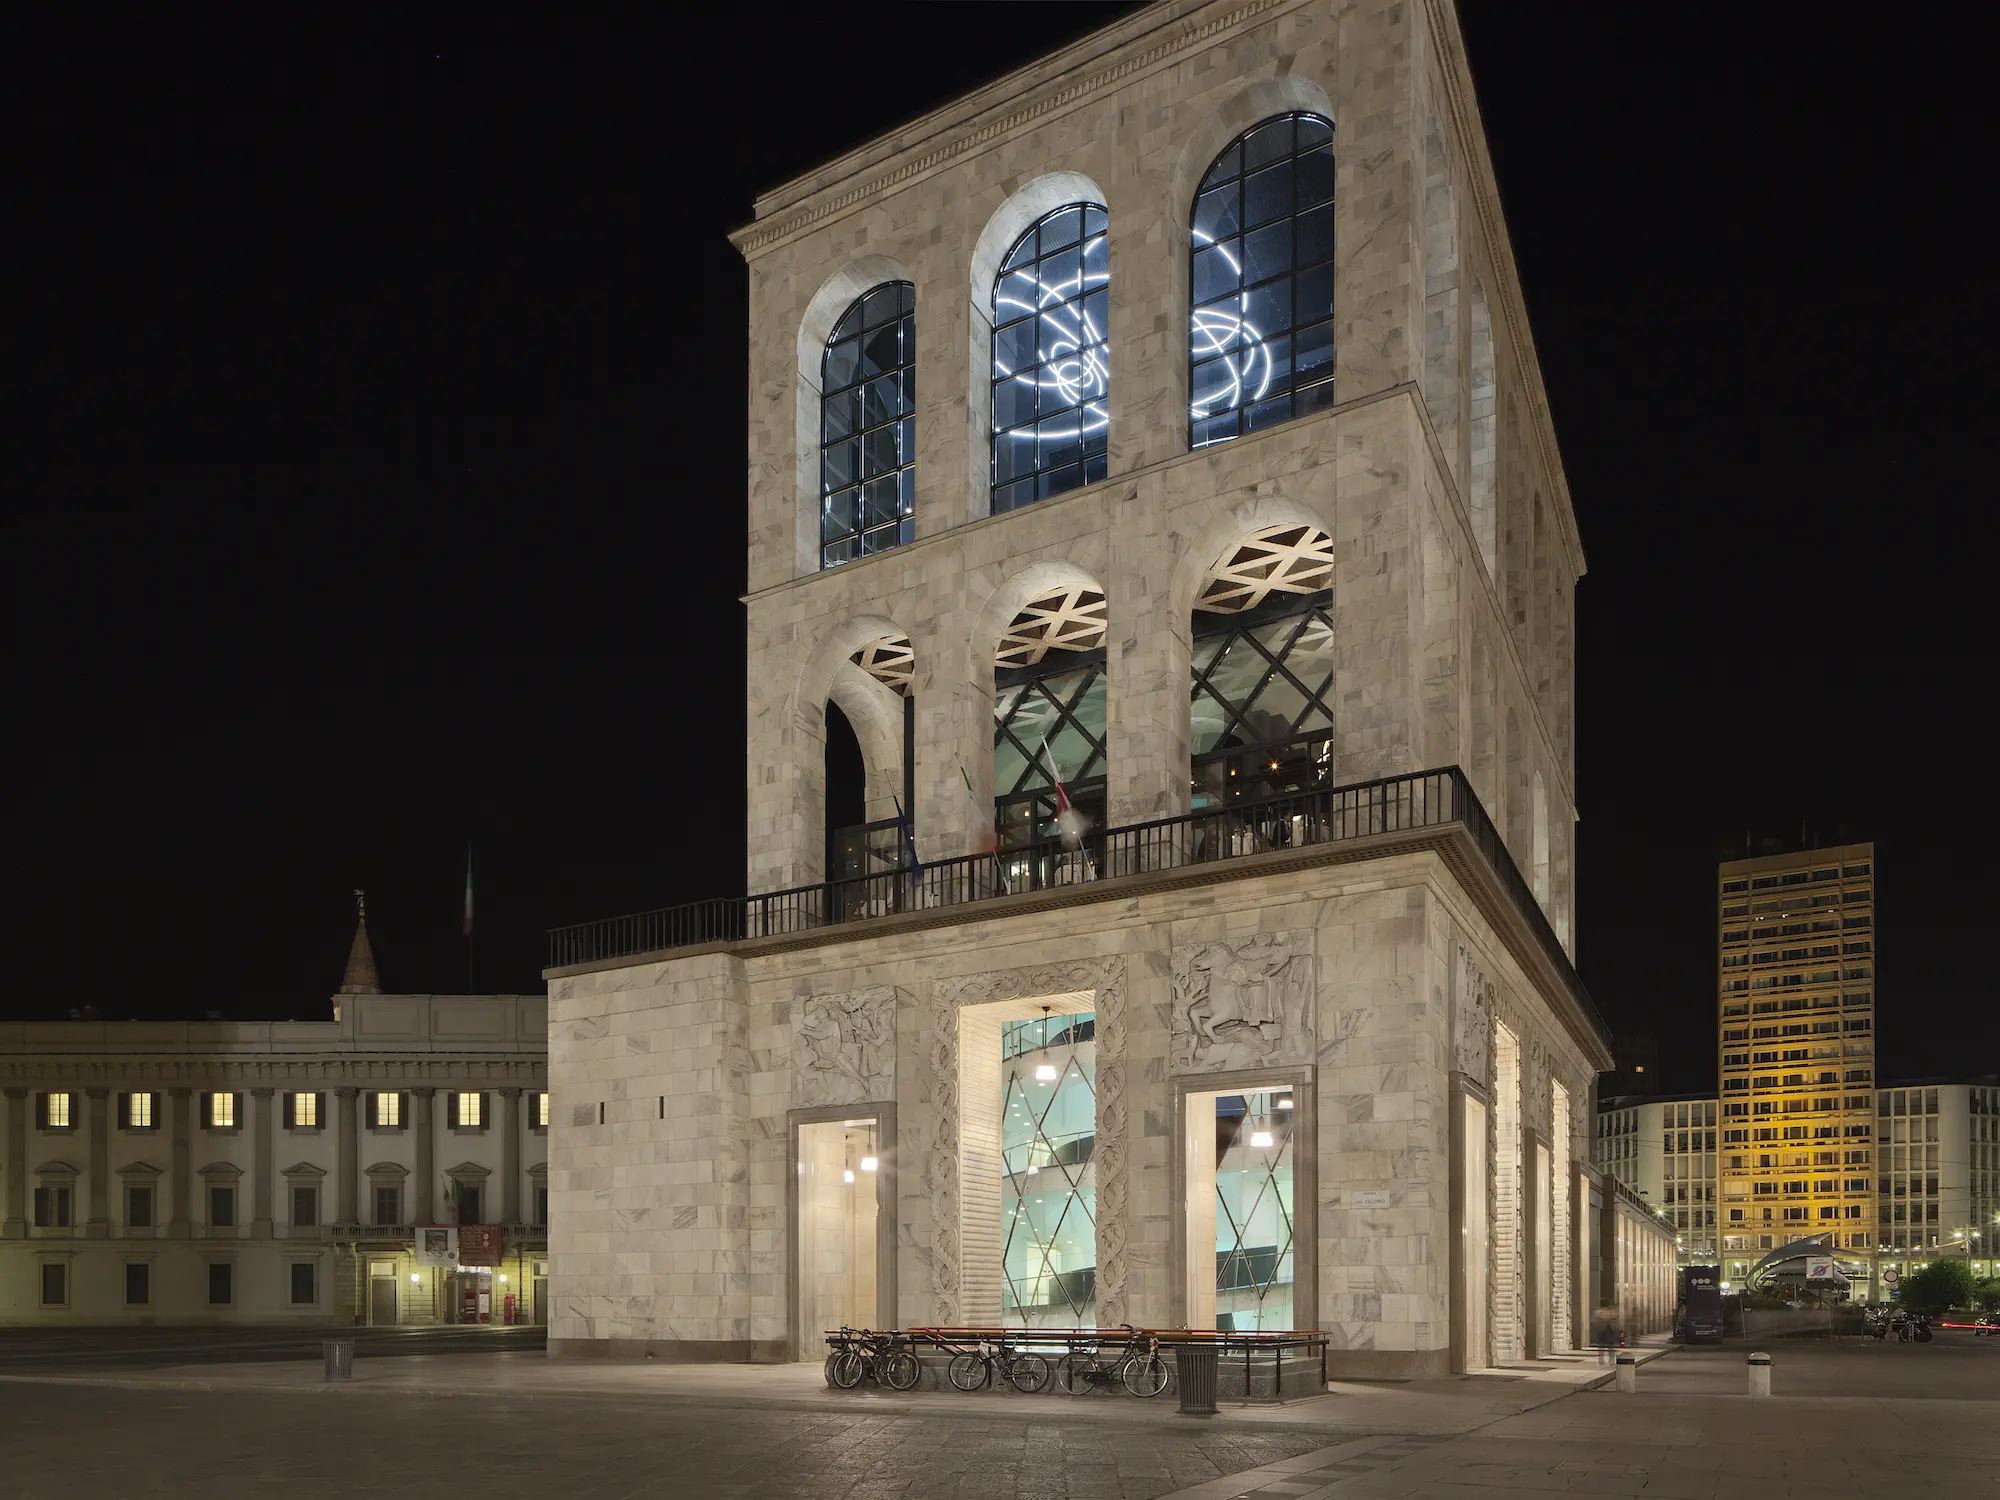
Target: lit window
<point>1260,278</point>
<point>56,1112</point>
<point>222,1111</point>
<point>466,1110</point>
<point>305,1110</point>
<point>868,427</point>
<point>542,1111</point>
<point>139,1111</point>
<point>389,1108</point>
<point>1051,368</point>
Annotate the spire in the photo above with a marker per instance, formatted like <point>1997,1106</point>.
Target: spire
<point>360,978</point>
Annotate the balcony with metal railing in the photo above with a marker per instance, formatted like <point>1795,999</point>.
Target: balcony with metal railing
<point>1305,824</point>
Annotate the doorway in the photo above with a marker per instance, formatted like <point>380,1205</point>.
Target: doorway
<point>382,1294</point>
<point>837,1171</point>
<point>540,1286</point>
<point>1242,1170</point>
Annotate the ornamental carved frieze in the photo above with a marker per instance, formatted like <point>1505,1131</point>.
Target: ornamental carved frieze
<point>1244,1002</point>
<point>844,1048</point>
<point>1472,1021</point>
<point>1104,980</point>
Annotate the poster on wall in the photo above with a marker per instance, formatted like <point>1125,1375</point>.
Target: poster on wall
<point>479,1244</point>
<point>437,1245</point>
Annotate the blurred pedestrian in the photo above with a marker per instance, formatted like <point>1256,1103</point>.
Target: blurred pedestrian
<point>1604,1332</point>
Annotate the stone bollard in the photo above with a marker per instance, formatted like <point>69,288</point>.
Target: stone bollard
<point>1628,1372</point>
<point>1760,1374</point>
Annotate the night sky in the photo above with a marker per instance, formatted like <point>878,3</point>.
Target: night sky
<point>377,455</point>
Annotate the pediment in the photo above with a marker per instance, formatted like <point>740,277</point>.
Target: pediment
<point>539,1171</point>
<point>57,1168</point>
<point>469,1171</point>
<point>303,1169</point>
<point>388,1169</point>
<point>223,1169</point>
<point>143,1171</point>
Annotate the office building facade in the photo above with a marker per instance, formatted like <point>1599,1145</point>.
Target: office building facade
<point>1664,1150</point>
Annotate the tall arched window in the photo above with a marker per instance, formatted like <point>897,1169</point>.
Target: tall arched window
<point>1260,277</point>
<point>868,431</point>
<point>1051,374</point>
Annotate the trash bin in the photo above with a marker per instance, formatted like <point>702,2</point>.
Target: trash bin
<point>1194,1365</point>
<point>339,1359</point>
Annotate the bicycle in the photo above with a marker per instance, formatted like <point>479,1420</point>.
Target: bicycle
<point>1138,1366</point>
<point>973,1370</point>
<point>863,1354</point>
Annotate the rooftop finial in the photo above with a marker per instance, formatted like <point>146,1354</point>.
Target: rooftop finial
<point>361,977</point>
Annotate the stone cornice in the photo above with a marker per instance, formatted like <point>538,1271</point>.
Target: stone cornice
<point>761,234</point>
<point>1452,843</point>
<point>141,1072</point>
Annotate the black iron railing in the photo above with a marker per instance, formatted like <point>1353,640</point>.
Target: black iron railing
<point>1295,820</point>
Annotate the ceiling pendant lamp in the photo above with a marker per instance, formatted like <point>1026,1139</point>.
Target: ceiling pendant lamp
<point>1260,1134</point>
<point>1045,1072</point>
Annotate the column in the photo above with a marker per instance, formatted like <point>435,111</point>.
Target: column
<point>264,1143</point>
<point>348,1148</point>
<point>423,1198</point>
<point>180,1103</point>
<point>510,1157</point>
<point>15,1225</point>
<point>97,1225</point>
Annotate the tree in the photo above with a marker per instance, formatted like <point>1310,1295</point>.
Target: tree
<point>1938,1287</point>
<point>1986,1295</point>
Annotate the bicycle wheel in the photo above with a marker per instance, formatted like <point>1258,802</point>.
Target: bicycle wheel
<point>900,1370</point>
<point>832,1359</point>
<point>969,1372</point>
<point>845,1368</point>
<point>1030,1373</point>
<point>1073,1373</point>
<point>1146,1375</point>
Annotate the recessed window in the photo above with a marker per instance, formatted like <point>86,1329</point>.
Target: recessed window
<point>468,1110</point>
<point>58,1112</point>
<point>138,1208</point>
<point>541,1111</point>
<point>305,1207</point>
<point>222,1207</point>
<point>138,1284</point>
<point>55,1284</point>
<point>222,1111</point>
<point>1260,278</point>
<point>1051,365</point>
<point>305,1111</point>
<point>388,1205</point>
<point>388,1110</point>
<point>221,1283</point>
<point>541,1205</point>
<point>52,1209</point>
<point>868,427</point>
<point>138,1111</point>
<point>305,1283</point>
<point>465,1196</point>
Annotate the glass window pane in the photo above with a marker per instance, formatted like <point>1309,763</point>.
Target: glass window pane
<point>1267,143</point>
<point>881,362</point>
<point>1268,252</point>
<point>1313,179</point>
<point>1267,309</point>
<point>842,361</point>
<point>1314,133</point>
<point>1314,242</point>
<point>1215,215</point>
<point>839,465</point>
<point>1227,165</point>
<point>1217,270</point>
<point>1267,194</point>
<point>1014,348</point>
<point>881,350</point>
<point>881,305</point>
<point>1313,354</point>
<point>1314,294</point>
<point>1061,228</point>
<point>1013,402</point>
<point>836,417</point>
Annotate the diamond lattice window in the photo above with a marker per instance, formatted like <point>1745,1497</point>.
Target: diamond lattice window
<point>1253,1211</point>
<point>1259,717</point>
<point>1049,1195</point>
<point>1045,728</point>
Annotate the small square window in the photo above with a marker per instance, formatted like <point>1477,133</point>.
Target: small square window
<point>221,1283</point>
<point>222,1207</point>
<point>138,1208</point>
<point>305,1283</point>
<point>138,1284</point>
<point>305,1111</point>
<point>55,1284</point>
<point>468,1111</point>
<point>305,1207</point>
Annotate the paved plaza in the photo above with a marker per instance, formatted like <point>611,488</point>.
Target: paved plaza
<point>1849,1419</point>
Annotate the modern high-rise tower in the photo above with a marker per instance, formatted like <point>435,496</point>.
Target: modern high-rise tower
<point>1796,1000</point>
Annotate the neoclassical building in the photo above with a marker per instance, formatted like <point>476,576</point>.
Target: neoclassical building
<point>1160,746</point>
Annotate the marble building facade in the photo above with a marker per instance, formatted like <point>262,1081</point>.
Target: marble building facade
<point>1406,981</point>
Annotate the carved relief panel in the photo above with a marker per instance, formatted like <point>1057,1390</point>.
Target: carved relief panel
<point>844,1048</point>
<point>1243,1003</point>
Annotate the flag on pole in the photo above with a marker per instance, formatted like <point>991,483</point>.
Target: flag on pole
<point>468,890</point>
<point>985,838</point>
<point>1070,824</point>
<point>915,866</point>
